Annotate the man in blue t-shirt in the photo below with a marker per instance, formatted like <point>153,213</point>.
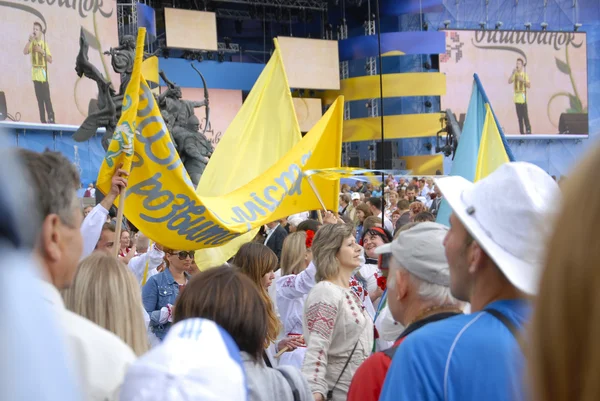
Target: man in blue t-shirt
<point>495,250</point>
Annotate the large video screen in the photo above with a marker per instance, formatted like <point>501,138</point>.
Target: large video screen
<point>40,43</point>
<point>536,81</point>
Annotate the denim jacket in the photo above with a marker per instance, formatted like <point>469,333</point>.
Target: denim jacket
<point>160,290</point>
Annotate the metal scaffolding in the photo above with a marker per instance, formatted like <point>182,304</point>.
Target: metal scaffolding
<point>242,15</point>
<point>127,18</point>
<point>345,74</point>
<point>299,4</point>
<point>371,69</point>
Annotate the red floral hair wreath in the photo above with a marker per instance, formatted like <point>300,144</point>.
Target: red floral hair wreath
<point>310,235</point>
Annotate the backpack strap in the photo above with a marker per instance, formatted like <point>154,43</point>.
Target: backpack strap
<point>508,324</point>
<point>288,378</point>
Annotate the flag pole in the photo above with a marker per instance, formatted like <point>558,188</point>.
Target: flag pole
<point>381,113</point>
<point>314,188</point>
<point>119,222</point>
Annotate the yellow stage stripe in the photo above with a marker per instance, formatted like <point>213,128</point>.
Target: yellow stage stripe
<point>394,85</point>
<point>424,165</point>
<point>394,127</point>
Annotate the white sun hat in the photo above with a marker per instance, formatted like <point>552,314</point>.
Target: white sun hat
<point>509,214</point>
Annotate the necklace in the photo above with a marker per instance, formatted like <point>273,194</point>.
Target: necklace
<point>434,310</point>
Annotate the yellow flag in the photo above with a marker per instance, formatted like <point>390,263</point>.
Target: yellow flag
<point>491,149</point>
<point>121,147</point>
<point>150,69</point>
<point>262,132</point>
<point>162,202</point>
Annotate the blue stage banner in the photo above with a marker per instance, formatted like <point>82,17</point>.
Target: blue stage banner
<point>146,18</point>
<point>395,7</point>
<point>393,44</point>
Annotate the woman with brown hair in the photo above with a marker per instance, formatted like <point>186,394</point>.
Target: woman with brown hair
<point>258,262</point>
<point>161,290</point>
<point>564,358</point>
<point>106,292</point>
<point>337,329</point>
<point>362,212</point>
<point>230,299</point>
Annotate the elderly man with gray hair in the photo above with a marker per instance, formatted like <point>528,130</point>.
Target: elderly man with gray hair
<point>418,280</point>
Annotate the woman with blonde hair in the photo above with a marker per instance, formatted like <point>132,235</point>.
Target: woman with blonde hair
<point>295,258</point>
<point>106,292</point>
<point>258,262</point>
<point>564,358</point>
<point>337,329</point>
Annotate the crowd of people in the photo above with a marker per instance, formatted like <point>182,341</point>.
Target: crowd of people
<point>374,301</point>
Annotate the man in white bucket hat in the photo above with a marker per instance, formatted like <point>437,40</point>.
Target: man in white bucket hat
<point>494,248</point>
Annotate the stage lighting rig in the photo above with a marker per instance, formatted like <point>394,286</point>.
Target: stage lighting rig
<point>528,26</point>
<point>498,25</point>
<point>544,26</point>
<point>576,27</point>
<point>446,24</point>
<point>482,25</point>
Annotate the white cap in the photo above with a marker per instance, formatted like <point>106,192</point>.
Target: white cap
<point>355,196</point>
<point>197,360</point>
<point>508,213</point>
<point>420,250</point>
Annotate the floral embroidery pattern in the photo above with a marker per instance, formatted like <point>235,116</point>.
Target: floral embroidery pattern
<point>289,282</point>
<point>320,319</point>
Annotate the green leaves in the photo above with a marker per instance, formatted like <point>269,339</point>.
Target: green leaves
<point>575,105</point>
<point>562,66</point>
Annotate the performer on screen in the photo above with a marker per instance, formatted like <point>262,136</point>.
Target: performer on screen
<point>40,56</point>
<point>520,81</point>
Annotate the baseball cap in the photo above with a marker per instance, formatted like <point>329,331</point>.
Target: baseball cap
<point>420,250</point>
<point>355,196</point>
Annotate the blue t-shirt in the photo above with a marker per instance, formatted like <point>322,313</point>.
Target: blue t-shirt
<point>464,358</point>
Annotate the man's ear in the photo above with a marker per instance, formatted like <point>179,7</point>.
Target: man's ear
<point>401,281</point>
<point>50,238</point>
<point>475,257</point>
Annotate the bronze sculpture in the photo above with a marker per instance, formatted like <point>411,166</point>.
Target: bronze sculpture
<point>183,125</point>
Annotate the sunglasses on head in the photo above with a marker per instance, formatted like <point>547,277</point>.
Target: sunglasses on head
<point>184,254</point>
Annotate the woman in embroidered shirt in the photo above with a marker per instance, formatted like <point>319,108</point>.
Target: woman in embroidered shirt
<point>337,329</point>
<point>295,257</point>
<point>161,290</point>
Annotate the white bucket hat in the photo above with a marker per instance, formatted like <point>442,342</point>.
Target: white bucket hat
<point>508,214</point>
<point>198,360</point>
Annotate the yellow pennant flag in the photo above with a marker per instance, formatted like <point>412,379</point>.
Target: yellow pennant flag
<point>262,132</point>
<point>162,203</point>
<point>492,153</point>
<point>150,70</point>
<point>121,147</point>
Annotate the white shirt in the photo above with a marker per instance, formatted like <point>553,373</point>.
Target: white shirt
<point>101,358</point>
<point>154,258</point>
<point>91,229</point>
<point>270,232</point>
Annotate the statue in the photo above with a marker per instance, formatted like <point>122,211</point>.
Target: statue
<point>106,111</point>
<point>108,107</point>
<point>122,58</point>
<point>193,147</point>
<point>183,125</point>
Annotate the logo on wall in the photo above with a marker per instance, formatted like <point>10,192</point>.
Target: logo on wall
<point>453,48</point>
